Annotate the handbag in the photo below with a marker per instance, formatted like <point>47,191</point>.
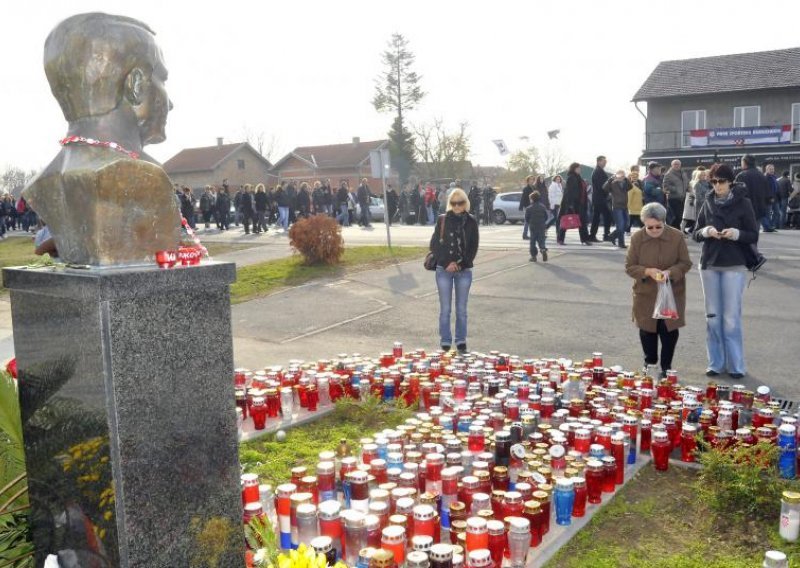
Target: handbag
<point>430,259</point>
<point>570,221</point>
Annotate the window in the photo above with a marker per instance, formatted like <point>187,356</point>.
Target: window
<point>514,197</point>
<point>691,120</point>
<point>796,122</point>
<point>240,163</point>
<point>744,117</point>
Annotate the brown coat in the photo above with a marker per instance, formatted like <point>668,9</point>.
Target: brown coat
<point>667,252</point>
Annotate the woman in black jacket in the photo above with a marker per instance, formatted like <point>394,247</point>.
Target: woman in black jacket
<point>574,202</point>
<point>454,243</point>
<point>727,227</point>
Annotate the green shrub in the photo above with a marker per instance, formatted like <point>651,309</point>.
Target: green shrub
<point>318,239</point>
<point>742,482</point>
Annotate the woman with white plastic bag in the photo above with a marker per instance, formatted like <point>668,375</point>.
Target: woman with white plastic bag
<point>658,261</point>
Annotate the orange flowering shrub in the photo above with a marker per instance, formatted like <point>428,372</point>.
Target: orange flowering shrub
<point>318,239</point>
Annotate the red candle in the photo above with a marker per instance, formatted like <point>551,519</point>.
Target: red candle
<point>688,443</point>
<point>610,471</point>
<point>259,412</point>
<point>579,505</point>
<point>477,534</point>
<point>661,448</point>
<point>594,481</point>
<point>250,492</point>
<point>497,540</point>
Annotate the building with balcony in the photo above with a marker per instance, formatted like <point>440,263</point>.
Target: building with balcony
<point>711,109</point>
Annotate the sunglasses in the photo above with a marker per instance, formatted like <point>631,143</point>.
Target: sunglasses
<point>716,181</point>
<point>654,227</point>
<point>458,203</point>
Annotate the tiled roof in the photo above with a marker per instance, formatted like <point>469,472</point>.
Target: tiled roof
<point>723,74</point>
<point>202,159</point>
<point>334,155</point>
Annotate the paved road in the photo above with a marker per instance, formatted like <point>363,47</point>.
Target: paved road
<point>577,303</point>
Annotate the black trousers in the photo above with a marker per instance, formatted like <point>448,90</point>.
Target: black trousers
<point>676,211</point>
<point>601,210</point>
<point>669,339</point>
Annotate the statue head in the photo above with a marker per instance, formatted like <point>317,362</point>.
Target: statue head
<point>99,63</point>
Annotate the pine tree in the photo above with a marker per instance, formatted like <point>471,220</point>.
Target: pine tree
<point>397,91</point>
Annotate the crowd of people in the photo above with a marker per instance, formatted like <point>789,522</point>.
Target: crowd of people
<point>256,208</point>
<point>618,200</point>
<point>15,214</point>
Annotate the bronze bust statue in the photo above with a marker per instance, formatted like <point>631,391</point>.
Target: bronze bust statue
<point>105,201</point>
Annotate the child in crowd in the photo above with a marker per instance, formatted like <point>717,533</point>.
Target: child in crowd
<point>536,216</point>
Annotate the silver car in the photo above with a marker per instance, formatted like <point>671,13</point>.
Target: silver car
<point>375,210</point>
<point>506,208</point>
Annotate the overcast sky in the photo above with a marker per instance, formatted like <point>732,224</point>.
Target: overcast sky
<point>303,72</point>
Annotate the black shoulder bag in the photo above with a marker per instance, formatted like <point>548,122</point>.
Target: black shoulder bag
<point>430,258</point>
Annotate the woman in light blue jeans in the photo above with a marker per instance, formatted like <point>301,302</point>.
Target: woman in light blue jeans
<point>727,227</point>
<point>454,243</point>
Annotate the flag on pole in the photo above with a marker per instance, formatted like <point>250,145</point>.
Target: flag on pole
<point>501,147</point>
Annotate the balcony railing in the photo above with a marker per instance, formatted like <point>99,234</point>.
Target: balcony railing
<point>721,137</point>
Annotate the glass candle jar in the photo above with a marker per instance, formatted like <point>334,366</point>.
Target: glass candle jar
<point>355,535</point>
<point>688,442</point>
<point>434,464</point>
<point>359,490</point>
<point>295,501</point>
<point>480,502</point>
<point>500,478</point>
<point>441,556</point>
<point>312,397</point>
<point>502,448</point>
<point>513,504</point>
<point>519,541</point>
<point>307,527</point>
<point>661,449</point>
<point>533,512</point>
<point>330,523</point>
<point>476,442</point>
<point>618,453</point>
<point>417,559</point>
<point>564,498</point>
<point>326,481</point>
<point>645,435</point>
<point>579,506</point>
<point>544,498</point>
<point>249,482</point>
<point>787,442</point>
<point>479,559</point>
<point>789,527</point>
<point>323,545</point>
<point>497,540</point>
<point>477,534</point>
<point>273,402</point>
<point>610,474</point>
<point>422,543</point>
<point>594,481</point>
<point>424,521</point>
<point>393,539</point>
<point>287,402</point>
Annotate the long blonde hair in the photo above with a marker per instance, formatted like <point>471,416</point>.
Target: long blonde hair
<point>462,195</point>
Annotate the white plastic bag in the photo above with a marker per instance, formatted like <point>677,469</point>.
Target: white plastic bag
<point>665,307</point>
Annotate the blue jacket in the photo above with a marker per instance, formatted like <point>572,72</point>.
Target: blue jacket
<point>652,189</point>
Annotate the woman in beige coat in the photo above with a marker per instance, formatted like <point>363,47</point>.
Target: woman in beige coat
<point>656,253</point>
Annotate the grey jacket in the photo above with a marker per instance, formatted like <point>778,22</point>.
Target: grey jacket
<point>675,183</point>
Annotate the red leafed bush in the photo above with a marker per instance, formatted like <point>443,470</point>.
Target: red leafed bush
<point>318,239</point>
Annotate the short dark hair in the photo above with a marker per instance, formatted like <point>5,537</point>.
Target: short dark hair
<point>653,165</point>
<point>723,171</point>
<point>785,173</point>
<point>572,166</point>
<point>749,160</point>
<point>601,157</point>
<point>536,196</point>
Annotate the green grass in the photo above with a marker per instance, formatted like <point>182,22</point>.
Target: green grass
<point>18,251</point>
<point>273,460</point>
<point>657,521</point>
<point>261,279</point>
<point>216,249</point>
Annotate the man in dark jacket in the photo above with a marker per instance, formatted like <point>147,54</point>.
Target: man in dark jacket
<point>223,208</point>
<point>525,202</point>
<point>757,189</point>
<point>675,185</point>
<point>291,198</point>
<point>773,201</point>
<point>207,205</point>
<point>600,200</point>
<point>392,202</point>
<point>475,201</point>
<point>488,204</point>
<point>362,194</point>
<point>261,203</point>
<point>342,195</point>
<point>187,206</point>
<point>784,191</point>
<point>248,208</point>
<point>237,206</point>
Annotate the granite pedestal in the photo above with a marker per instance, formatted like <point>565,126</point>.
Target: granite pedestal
<point>128,415</point>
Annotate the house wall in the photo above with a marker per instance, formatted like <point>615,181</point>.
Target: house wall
<point>255,171</point>
<point>663,126</point>
<point>299,170</point>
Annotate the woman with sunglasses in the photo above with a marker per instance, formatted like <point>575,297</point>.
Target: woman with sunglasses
<point>454,243</point>
<point>657,253</point>
<point>726,224</point>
